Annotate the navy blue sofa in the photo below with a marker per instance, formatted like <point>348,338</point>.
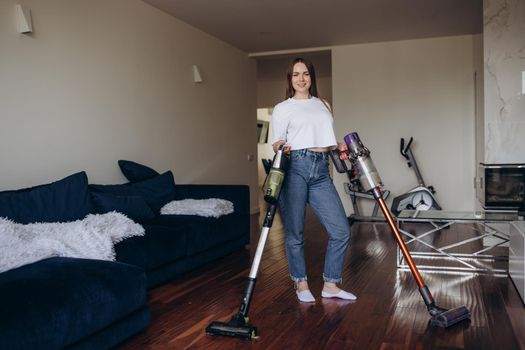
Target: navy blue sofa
<point>72,303</point>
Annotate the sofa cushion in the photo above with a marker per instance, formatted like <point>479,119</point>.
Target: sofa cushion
<point>160,245</point>
<point>203,233</point>
<point>135,207</point>
<point>156,191</point>
<point>136,172</point>
<point>55,302</point>
<point>64,200</point>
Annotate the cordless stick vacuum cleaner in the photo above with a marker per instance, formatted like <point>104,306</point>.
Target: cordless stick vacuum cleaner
<point>360,158</point>
<point>238,326</point>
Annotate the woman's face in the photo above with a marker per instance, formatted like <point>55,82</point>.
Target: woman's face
<point>301,81</point>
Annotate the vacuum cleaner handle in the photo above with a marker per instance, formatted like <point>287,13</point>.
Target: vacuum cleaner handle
<point>404,150</point>
<point>339,164</point>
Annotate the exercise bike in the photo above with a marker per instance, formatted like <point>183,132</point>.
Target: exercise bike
<point>419,198</point>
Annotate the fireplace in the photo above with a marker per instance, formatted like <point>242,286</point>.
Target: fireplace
<point>502,186</point>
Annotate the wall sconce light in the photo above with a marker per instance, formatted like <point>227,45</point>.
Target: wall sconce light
<point>23,19</point>
<point>197,77</point>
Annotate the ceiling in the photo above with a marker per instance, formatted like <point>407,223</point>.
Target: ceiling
<point>258,26</point>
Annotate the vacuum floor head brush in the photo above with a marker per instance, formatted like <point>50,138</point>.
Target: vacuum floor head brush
<point>360,158</point>
<point>237,327</point>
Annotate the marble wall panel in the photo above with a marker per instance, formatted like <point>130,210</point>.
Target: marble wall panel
<point>504,59</point>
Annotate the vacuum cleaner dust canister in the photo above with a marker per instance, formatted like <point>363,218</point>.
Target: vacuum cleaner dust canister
<point>360,157</point>
<point>275,179</point>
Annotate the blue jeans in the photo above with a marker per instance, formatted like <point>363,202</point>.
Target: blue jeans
<point>308,181</point>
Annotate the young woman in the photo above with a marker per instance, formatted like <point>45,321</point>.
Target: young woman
<point>303,122</point>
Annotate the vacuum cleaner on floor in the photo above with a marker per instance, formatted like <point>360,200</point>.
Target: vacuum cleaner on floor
<point>420,197</point>
<point>360,158</point>
<point>239,326</point>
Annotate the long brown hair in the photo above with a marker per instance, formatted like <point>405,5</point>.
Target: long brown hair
<point>290,91</point>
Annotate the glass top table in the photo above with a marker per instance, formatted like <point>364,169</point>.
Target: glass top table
<point>478,246</point>
<point>430,215</point>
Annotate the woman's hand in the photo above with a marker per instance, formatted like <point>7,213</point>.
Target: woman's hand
<point>278,144</point>
<point>343,151</point>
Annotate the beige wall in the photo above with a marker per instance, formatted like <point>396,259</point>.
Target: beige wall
<point>100,80</point>
<point>421,88</point>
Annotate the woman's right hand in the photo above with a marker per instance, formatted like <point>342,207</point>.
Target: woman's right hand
<point>343,151</point>
<point>278,144</point>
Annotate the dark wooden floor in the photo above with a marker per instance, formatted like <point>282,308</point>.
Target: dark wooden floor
<point>388,314</point>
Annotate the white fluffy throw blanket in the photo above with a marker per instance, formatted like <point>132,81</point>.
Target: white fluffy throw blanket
<point>211,207</point>
<point>91,238</point>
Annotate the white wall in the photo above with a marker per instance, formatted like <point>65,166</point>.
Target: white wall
<point>99,81</point>
<point>421,88</point>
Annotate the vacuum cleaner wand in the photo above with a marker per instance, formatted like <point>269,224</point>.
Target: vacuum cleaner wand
<point>239,326</point>
<point>369,177</point>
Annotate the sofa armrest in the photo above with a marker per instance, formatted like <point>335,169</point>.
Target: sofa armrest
<point>239,195</point>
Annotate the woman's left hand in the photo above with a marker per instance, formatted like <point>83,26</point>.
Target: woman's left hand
<point>343,151</point>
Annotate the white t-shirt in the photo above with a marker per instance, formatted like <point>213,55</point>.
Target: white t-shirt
<point>303,123</point>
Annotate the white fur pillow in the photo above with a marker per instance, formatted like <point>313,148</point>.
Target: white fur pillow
<point>211,207</point>
<point>91,238</point>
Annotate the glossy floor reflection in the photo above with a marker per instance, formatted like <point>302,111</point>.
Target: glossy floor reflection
<point>389,312</point>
